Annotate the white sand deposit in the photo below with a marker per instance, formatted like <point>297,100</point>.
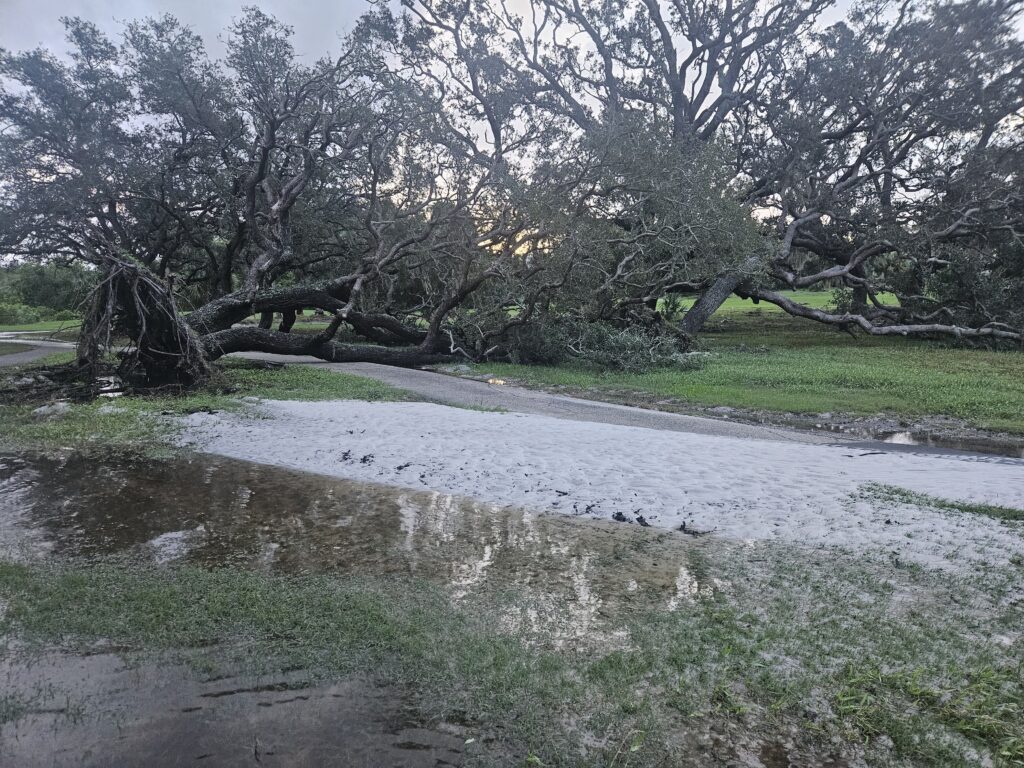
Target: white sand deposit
<point>739,488</point>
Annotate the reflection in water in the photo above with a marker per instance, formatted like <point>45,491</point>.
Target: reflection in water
<point>569,576</point>
<point>570,582</point>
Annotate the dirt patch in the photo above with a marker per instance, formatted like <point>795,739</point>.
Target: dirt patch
<point>99,710</point>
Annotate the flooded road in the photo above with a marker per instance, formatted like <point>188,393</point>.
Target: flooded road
<point>573,580</point>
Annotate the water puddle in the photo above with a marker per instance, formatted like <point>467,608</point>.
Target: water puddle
<point>573,580</point>
<point>215,512</point>
<point>989,445</point>
<point>960,443</point>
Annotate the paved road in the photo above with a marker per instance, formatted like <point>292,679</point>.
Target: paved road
<point>30,354</point>
<point>452,390</point>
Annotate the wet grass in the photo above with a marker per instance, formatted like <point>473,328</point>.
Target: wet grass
<point>130,424</point>
<point>974,704</point>
<point>769,361</point>
<point>304,382</point>
<point>826,647</point>
<point>894,493</point>
<point>44,325</point>
<point>322,625</point>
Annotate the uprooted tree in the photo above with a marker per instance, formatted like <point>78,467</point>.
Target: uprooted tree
<point>464,181</point>
<point>260,185</point>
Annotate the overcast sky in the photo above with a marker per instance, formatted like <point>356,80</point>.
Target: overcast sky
<point>318,23</point>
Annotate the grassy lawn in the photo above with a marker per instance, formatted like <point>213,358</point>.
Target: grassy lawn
<point>763,359</point>
<point>766,360</point>
<point>44,325</point>
<point>813,299</point>
<point>821,649</point>
<point>881,492</point>
<point>128,423</point>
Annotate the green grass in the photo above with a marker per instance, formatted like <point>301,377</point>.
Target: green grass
<point>972,704</point>
<point>769,361</point>
<point>305,382</point>
<point>813,299</point>
<point>44,325</point>
<point>822,647</point>
<point>891,493</point>
<point>129,423</point>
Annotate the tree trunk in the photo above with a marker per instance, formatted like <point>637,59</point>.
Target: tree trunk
<point>859,306</point>
<point>266,320</point>
<point>287,321</point>
<point>248,338</point>
<point>709,302</point>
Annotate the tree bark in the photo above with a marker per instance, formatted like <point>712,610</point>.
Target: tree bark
<point>287,321</point>
<point>253,339</point>
<point>848,320</point>
<point>709,302</point>
<point>224,312</point>
<point>859,305</point>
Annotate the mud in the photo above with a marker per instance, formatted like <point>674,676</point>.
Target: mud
<point>85,711</point>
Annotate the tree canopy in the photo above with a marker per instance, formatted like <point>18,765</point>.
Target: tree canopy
<point>463,176</point>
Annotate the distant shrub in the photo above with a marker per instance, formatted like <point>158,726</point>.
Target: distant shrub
<point>51,287</point>
<point>64,314</point>
<point>630,349</point>
<point>19,314</point>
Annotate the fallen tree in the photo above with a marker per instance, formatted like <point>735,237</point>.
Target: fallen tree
<point>458,175</point>
<point>883,155</point>
<point>207,194</point>
<point>872,326</point>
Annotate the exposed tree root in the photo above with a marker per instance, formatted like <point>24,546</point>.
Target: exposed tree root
<point>132,303</point>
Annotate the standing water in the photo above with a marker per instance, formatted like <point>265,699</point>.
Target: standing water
<point>570,578</point>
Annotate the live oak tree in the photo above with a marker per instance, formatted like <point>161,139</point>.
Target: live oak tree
<point>686,70</point>
<point>355,185</point>
<point>464,171</point>
<point>903,179</point>
<point>865,148</point>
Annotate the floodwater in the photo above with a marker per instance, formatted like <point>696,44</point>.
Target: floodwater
<point>571,577</point>
<point>215,512</point>
<point>980,444</point>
